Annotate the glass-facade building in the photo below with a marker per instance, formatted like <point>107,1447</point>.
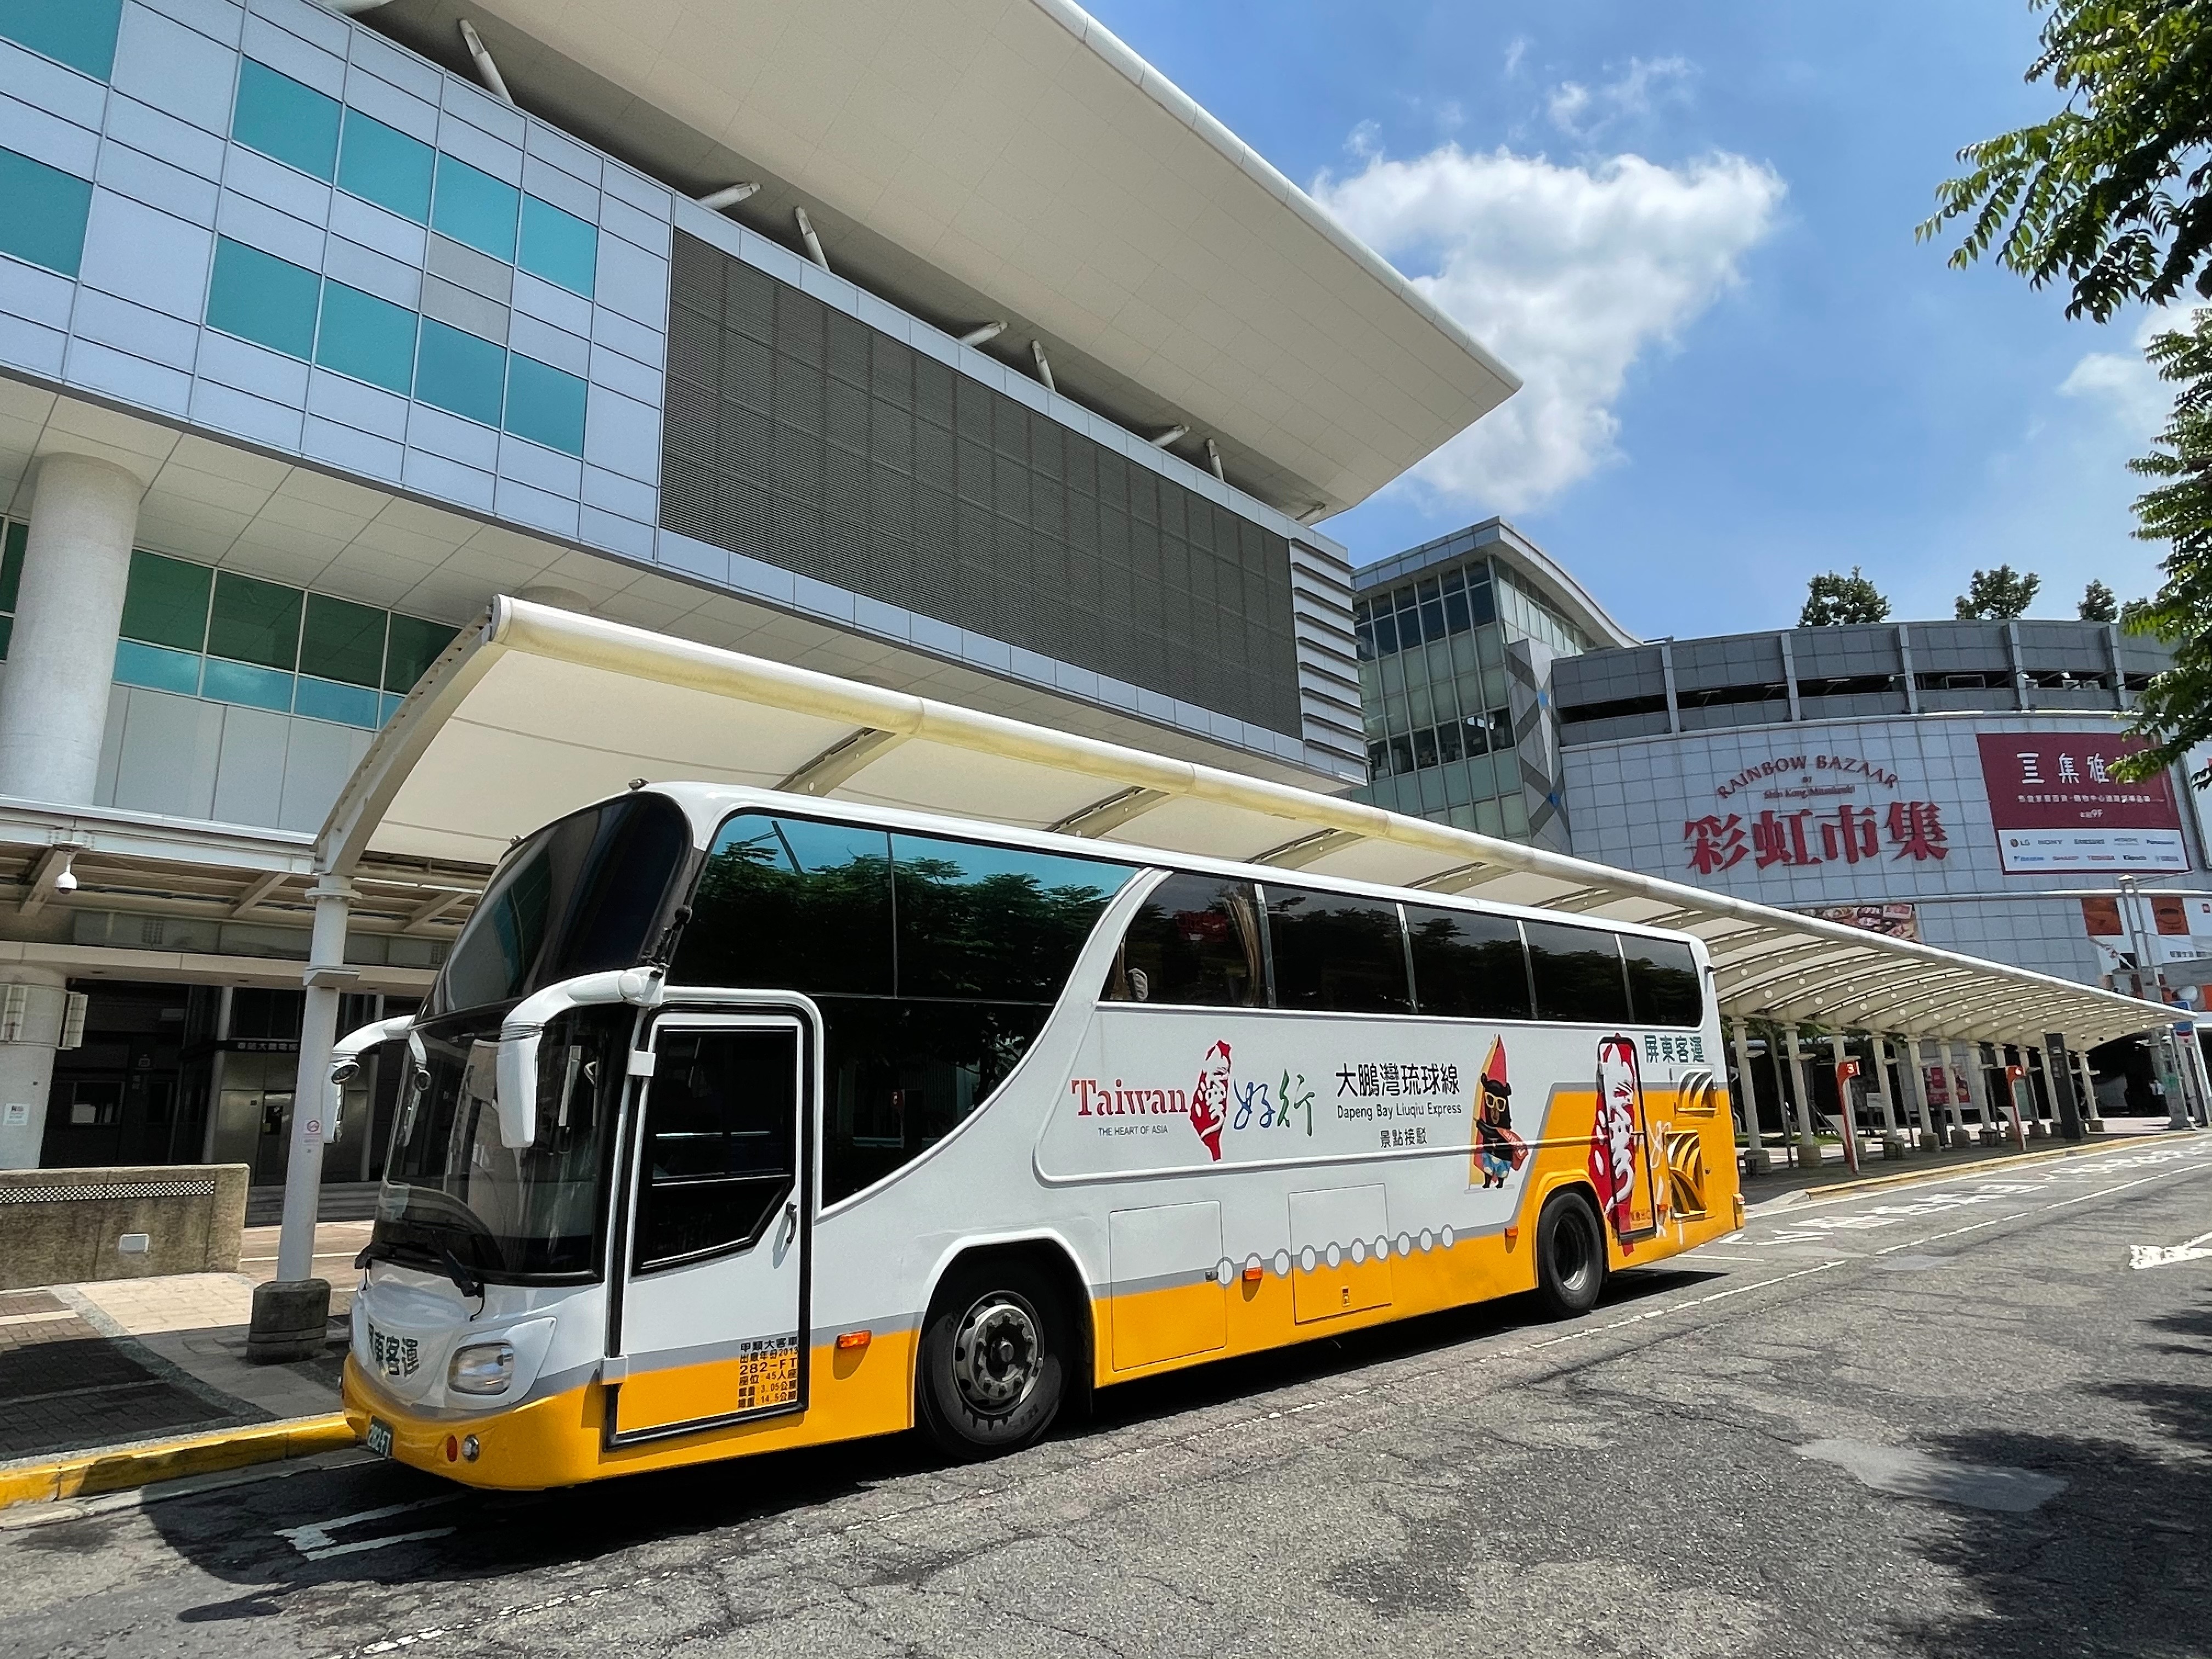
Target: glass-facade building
<point>313,340</point>
<point>1445,632</point>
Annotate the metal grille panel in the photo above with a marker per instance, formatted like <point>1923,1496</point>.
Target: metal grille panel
<point>803,438</point>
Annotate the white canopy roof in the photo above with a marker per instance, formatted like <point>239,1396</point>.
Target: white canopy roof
<point>539,710</point>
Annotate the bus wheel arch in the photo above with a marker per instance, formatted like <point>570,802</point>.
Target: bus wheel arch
<point>1571,1250</point>
<point>1005,1348</point>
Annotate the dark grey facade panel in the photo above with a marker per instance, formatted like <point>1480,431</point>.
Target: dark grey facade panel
<point>1736,659</point>
<point>803,438</point>
<point>1845,652</point>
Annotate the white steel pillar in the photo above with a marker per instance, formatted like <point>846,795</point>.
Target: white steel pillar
<point>61,655</point>
<point>1756,1158</point>
<point>1847,1117</point>
<point>1800,1077</point>
<point>2093,1113</point>
<point>290,1313</point>
<point>1892,1144</point>
<point>1913,1081</point>
<point>1978,1092</point>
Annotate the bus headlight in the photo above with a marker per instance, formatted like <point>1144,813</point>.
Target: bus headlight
<point>482,1368</point>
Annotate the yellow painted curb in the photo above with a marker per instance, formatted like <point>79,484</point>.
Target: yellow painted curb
<point>80,1475</point>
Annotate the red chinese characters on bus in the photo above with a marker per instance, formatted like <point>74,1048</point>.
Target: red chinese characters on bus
<point>1911,829</point>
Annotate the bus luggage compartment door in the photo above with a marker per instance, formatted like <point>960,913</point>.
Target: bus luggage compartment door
<point>1168,1301</point>
<point>713,1321</point>
<point>1337,1239</point>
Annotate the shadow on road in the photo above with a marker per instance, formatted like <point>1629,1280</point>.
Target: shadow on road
<point>2117,1562</point>
<point>493,1535</point>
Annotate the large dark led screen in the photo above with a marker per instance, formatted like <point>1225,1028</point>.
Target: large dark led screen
<point>801,437</point>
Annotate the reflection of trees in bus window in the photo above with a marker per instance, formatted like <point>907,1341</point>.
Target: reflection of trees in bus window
<point>999,923</point>
<point>1663,982</point>
<point>1336,952</point>
<point>1194,941</point>
<point>1468,965</point>
<point>1578,975</point>
<point>792,905</point>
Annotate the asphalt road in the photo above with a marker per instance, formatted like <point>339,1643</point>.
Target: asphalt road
<point>1952,1419</point>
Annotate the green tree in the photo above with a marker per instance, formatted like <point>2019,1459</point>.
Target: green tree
<point>1831,599</point>
<point>2175,713</point>
<point>1997,595</point>
<point>2112,197</point>
<point>2098,602</point>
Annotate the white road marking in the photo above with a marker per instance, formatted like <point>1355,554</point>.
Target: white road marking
<point>37,1318</point>
<point>2167,1255</point>
<point>314,1541</point>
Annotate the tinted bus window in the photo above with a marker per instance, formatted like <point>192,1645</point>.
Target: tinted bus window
<point>1196,942</point>
<point>583,894</point>
<point>1577,975</point>
<point>996,924</point>
<point>1337,953</point>
<point>787,904</point>
<point>1663,982</point>
<point>1467,966</point>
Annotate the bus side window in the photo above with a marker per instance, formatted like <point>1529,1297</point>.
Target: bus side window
<point>1578,975</point>
<point>719,1151</point>
<point>1663,982</point>
<point>791,905</point>
<point>1195,941</point>
<point>1336,952</point>
<point>996,924</point>
<point>1468,965</point>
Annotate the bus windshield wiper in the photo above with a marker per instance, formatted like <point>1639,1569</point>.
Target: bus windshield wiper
<point>463,1277</point>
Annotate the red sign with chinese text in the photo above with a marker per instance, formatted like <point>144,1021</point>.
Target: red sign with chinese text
<point>2063,780</point>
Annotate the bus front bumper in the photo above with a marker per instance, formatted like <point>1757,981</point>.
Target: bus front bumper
<point>551,1442</point>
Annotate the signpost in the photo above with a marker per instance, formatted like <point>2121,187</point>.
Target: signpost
<point>1848,1119</point>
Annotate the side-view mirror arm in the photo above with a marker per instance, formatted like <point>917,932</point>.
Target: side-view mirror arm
<point>524,1028</point>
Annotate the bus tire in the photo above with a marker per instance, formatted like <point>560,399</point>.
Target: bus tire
<point>995,1364</point>
<point>1569,1254</point>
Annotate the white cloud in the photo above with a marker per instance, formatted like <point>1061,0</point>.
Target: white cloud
<point>1569,274</point>
<point>1582,111</point>
<point>2125,383</point>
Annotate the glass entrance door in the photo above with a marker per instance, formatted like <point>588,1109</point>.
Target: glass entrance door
<point>712,1318</point>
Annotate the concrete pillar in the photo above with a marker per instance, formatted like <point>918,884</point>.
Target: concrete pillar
<point>2085,1079</point>
<point>61,656</point>
<point>1801,1076</point>
<point>1893,1143</point>
<point>1756,1158</point>
<point>1956,1133</point>
<point>1913,1081</point>
<point>1978,1092</point>
<point>1847,1117</point>
<point>26,1063</point>
<point>290,1312</point>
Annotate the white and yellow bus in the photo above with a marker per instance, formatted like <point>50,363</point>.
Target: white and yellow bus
<point>738,1121</point>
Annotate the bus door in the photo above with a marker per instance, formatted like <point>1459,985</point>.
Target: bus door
<point>710,1320</point>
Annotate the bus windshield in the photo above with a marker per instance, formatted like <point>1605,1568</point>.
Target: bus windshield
<point>455,1198</point>
<point>585,893</point>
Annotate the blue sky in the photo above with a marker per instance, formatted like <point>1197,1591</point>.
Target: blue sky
<point>1690,229</point>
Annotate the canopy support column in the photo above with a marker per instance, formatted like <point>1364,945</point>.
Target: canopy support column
<point>1801,1074</point>
<point>1978,1092</point>
<point>290,1313</point>
<point>1756,1160</point>
<point>1892,1144</point>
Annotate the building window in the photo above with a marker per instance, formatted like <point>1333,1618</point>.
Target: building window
<point>383,165</point>
<point>78,32</point>
<point>558,247</point>
<point>261,298</point>
<point>12,538</point>
<point>44,224</point>
<point>474,208</point>
<point>235,639</point>
<point>460,374</point>
<point>1434,608</point>
<point>368,338</point>
<point>544,404</point>
<point>285,121</point>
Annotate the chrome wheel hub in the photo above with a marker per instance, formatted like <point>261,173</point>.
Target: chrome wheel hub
<point>997,1354</point>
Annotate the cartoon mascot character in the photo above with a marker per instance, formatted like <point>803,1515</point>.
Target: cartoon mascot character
<point>1209,1099</point>
<point>1616,1150</point>
<point>1498,1151</point>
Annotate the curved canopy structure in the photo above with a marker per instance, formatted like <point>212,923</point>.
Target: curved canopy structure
<point>539,710</point>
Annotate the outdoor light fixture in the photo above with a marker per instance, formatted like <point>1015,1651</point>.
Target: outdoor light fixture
<point>728,196</point>
<point>1167,437</point>
<point>975,336</point>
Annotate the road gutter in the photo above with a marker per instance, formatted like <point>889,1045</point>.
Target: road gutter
<point>117,1468</point>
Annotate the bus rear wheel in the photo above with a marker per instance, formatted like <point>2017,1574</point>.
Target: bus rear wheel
<point>1569,1255</point>
<point>993,1366</point>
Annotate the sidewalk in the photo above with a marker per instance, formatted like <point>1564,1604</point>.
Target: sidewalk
<point>1789,1183</point>
<point>90,1368</point>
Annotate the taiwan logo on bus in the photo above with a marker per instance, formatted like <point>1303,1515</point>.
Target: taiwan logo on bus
<point>1204,1105</point>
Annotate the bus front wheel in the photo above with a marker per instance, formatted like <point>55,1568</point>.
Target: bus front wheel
<point>1569,1255</point>
<point>993,1361</point>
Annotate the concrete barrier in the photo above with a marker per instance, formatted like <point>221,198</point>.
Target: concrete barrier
<point>68,1226</point>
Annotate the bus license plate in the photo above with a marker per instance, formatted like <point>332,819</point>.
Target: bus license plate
<point>378,1438</point>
